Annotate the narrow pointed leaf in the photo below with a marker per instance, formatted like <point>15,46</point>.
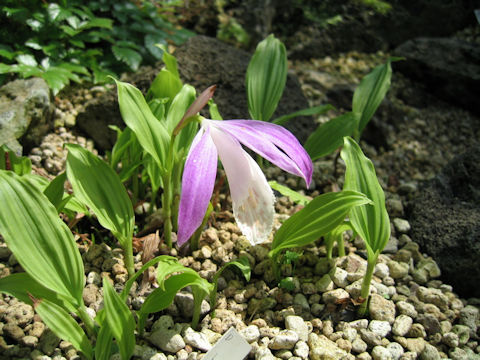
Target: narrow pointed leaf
<point>370,222</point>
<point>136,113</point>
<point>316,110</point>
<point>103,345</point>
<point>99,187</point>
<point>119,319</point>
<point>179,106</point>
<point>165,85</point>
<point>329,136</point>
<point>63,325</point>
<point>293,195</point>
<point>55,190</point>
<point>370,93</point>
<point>317,218</point>
<point>41,242</point>
<point>266,78</point>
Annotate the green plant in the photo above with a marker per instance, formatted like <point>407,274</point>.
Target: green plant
<point>71,41</point>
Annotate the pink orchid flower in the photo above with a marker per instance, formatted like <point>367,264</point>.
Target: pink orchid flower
<point>252,197</point>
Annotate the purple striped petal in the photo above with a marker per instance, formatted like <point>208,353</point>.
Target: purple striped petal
<point>197,184</point>
<point>273,142</point>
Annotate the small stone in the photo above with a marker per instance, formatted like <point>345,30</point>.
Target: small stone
<point>359,346</point>
<point>398,270</point>
<point>401,225</point>
<point>430,323</point>
<point>301,349</point>
<point>324,284</point>
<point>90,294</point>
<point>402,325</point>
<point>415,344</point>
<point>339,277</point>
<point>408,309</point>
<point>184,302</point>
<point>167,340</point>
<point>335,296</point>
<point>94,278</point>
<point>19,314</point>
<point>381,353</point>
<point>250,333</point>
<point>380,328</point>
<point>301,300</point>
<point>37,329</point>
<point>396,350</point>
<point>298,325</point>
<point>469,316</point>
<point>463,333</point>
<point>30,341</point>
<point>381,309</point>
<point>159,356</point>
<point>197,340</point>
<point>48,342</point>
<point>322,348</point>
<point>286,339</point>
<point>433,296</point>
<point>450,339</point>
<point>458,354</point>
<point>13,331</point>
<point>381,270</point>
<point>370,337</point>
<point>429,353</point>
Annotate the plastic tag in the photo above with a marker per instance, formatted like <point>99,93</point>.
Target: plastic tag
<point>231,346</point>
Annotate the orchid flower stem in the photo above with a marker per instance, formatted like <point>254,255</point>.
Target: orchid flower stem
<point>128,254</point>
<point>167,196</point>
<point>87,321</point>
<point>365,291</point>
<point>340,245</point>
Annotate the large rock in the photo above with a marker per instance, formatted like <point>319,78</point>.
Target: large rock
<point>449,68</point>
<point>445,219</point>
<point>202,61</point>
<point>26,113</point>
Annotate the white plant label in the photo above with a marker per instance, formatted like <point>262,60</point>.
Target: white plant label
<point>231,346</point>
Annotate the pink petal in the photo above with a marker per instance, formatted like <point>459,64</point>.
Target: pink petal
<point>273,142</point>
<point>252,197</point>
<point>197,184</point>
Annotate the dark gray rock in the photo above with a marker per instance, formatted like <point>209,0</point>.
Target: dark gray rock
<point>202,61</point>
<point>445,219</point>
<point>448,68</point>
<point>26,113</point>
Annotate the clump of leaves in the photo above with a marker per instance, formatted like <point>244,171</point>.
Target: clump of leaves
<point>71,41</point>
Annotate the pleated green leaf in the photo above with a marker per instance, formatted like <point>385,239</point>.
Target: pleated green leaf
<point>63,325</point>
<point>40,241</point>
<point>317,218</point>
<point>103,345</point>
<point>165,85</point>
<point>96,185</point>
<point>22,285</point>
<point>136,113</point>
<point>370,222</point>
<point>266,78</point>
<point>119,319</point>
<point>329,136</point>
<point>370,93</point>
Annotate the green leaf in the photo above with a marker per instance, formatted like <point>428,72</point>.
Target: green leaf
<point>27,59</point>
<point>136,113</point>
<point>370,93</point>
<point>99,187</point>
<point>63,325</point>
<point>41,242</point>
<point>20,165</point>
<point>266,78</point>
<point>329,136</point>
<point>162,297</point>
<point>370,222</point>
<point>294,196</point>
<point>241,263</point>
<point>129,56</point>
<point>103,345</point>
<point>317,110</point>
<point>170,61</point>
<point>55,190</point>
<point>119,319</point>
<point>167,266</point>
<point>165,85</point>
<point>22,285</point>
<point>317,218</point>
<point>179,106</point>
